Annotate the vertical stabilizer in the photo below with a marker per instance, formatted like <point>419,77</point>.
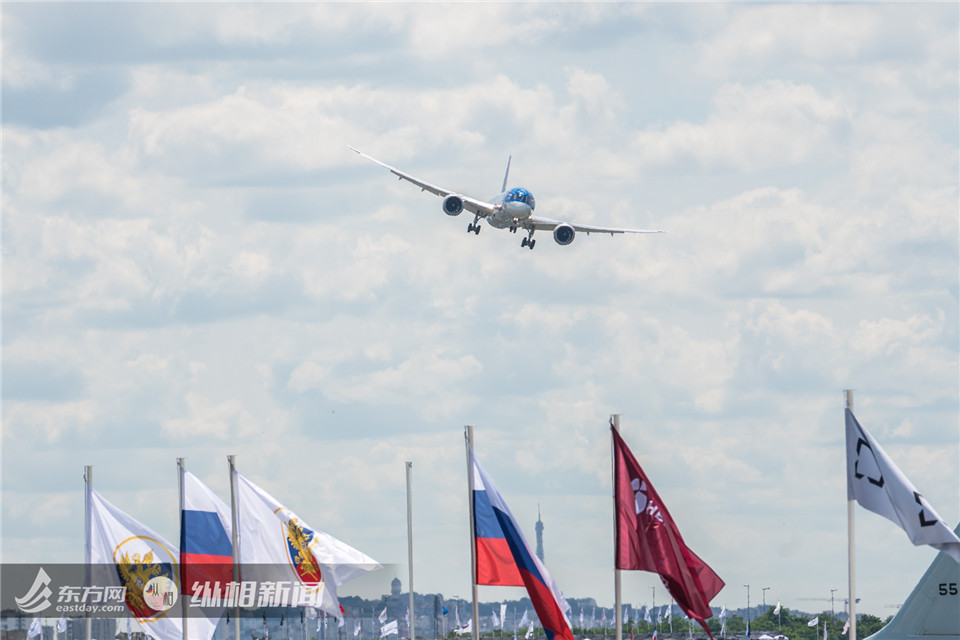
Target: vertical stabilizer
<point>506,175</point>
<point>932,610</point>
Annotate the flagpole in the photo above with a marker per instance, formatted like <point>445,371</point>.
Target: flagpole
<point>183,604</point>
<point>231,463</point>
<point>475,623</point>
<point>413,615</point>
<point>87,552</point>
<point>851,560</point>
<point>618,615</point>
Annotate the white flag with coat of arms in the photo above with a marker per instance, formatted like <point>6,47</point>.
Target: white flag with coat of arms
<point>389,629</point>
<point>878,485</point>
<point>276,541</point>
<point>814,622</point>
<point>122,552</point>
<point>35,628</point>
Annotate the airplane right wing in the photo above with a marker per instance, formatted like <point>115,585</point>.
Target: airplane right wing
<point>474,206</point>
<point>546,224</point>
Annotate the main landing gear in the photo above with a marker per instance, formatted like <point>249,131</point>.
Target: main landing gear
<point>474,226</point>
<point>528,241</point>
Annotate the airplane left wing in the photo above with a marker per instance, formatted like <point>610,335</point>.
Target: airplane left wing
<point>545,224</point>
<point>474,206</point>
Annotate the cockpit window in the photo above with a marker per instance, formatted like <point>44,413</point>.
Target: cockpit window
<point>521,195</point>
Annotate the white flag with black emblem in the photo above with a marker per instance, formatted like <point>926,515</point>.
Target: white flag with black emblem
<point>878,485</point>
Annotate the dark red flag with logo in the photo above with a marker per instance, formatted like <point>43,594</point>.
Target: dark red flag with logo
<point>648,540</point>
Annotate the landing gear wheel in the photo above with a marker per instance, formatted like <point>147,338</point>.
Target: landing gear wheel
<point>523,242</point>
<point>531,243</point>
<point>470,228</point>
<point>476,229</point>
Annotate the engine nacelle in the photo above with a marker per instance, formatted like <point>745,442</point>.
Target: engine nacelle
<point>564,234</point>
<point>452,205</point>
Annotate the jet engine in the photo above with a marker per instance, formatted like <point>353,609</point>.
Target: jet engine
<point>563,234</point>
<point>452,205</point>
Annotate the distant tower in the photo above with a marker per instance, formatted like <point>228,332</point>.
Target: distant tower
<point>539,535</point>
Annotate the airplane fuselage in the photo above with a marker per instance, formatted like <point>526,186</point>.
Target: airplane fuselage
<point>511,209</point>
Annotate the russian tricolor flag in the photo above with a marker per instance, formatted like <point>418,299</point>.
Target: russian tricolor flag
<point>503,553</point>
<point>206,551</point>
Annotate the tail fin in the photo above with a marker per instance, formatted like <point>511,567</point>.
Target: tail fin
<point>503,189</point>
<point>932,610</point>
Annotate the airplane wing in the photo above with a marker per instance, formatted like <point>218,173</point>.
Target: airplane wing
<point>474,206</point>
<point>545,224</point>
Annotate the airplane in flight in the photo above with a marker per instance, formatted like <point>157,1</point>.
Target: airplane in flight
<point>512,209</point>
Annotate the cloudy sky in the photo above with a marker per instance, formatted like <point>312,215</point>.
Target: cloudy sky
<point>196,265</point>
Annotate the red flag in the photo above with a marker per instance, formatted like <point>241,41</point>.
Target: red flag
<point>648,540</point>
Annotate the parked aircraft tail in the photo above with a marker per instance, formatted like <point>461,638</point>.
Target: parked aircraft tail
<point>932,610</point>
<point>506,175</point>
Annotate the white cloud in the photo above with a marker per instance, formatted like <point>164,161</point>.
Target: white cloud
<point>750,128</point>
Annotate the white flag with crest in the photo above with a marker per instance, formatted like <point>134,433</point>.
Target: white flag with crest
<point>275,540</point>
<point>125,553</point>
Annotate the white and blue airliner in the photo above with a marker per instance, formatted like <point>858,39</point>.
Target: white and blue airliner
<point>512,209</point>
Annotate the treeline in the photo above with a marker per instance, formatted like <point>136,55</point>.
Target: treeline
<point>791,625</point>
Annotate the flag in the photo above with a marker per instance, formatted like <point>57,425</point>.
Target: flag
<point>524,619</point>
<point>456,613</point>
<point>276,541</point>
<point>878,485</point>
<point>648,540</point>
<point>389,629</point>
<point>357,628</point>
<point>529,632</point>
<point>548,602</point>
<point>777,609</point>
<point>814,622</point>
<point>646,617</point>
<point>654,634</point>
<point>125,553</point>
<point>846,627</point>
<point>383,616</point>
<point>670,611</point>
<point>206,548</point>
<point>495,562</point>
<point>723,612</point>
<point>35,628</point>
<point>494,619</point>
<point>61,624</point>
<point>406,617</point>
<point>503,614</point>
<point>824,630</point>
<point>443,609</point>
<point>581,617</point>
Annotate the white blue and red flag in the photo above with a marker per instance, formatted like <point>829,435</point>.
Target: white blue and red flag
<point>206,550</point>
<point>548,602</point>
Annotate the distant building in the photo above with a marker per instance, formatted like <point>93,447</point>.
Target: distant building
<point>539,535</point>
